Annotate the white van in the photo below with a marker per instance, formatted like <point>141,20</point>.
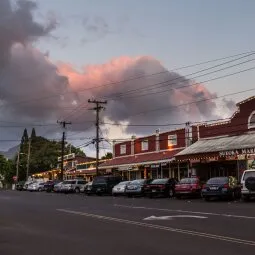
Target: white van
<point>248,184</point>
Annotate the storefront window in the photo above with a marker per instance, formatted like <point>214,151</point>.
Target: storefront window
<point>132,175</point>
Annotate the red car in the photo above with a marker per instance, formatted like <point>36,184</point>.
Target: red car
<point>188,187</point>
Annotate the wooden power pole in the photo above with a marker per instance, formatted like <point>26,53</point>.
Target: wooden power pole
<point>63,124</point>
<point>98,107</point>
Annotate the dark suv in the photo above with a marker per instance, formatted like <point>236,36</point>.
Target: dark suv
<point>49,185</point>
<point>103,185</point>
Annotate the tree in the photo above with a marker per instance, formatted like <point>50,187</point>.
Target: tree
<point>24,138</point>
<point>7,169</point>
<point>33,134</point>
<point>108,155</point>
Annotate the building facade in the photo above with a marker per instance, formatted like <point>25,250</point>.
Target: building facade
<point>225,147</point>
<point>151,156</point>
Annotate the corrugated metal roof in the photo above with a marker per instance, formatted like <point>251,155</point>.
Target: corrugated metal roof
<point>146,158</point>
<point>220,144</point>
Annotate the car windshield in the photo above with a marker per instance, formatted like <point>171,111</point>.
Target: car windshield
<point>69,182</point>
<point>188,181</point>
<point>218,180</point>
<point>138,182</point>
<point>123,183</point>
<point>160,181</point>
<point>249,174</point>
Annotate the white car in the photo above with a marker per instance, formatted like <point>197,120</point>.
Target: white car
<point>75,185</point>
<point>120,189</point>
<point>36,186</point>
<point>248,184</point>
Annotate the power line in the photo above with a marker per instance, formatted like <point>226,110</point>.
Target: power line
<point>124,94</point>
<point>151,87</point>
<point>194,102</point>
<point>216,128</point>
<point>134,78</point>
<point>190,85</point>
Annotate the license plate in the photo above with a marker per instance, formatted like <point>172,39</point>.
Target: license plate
<point>213,188</point>
<point>98,189</point>
<point>153,190</point>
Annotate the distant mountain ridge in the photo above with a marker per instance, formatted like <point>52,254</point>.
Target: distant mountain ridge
<point>10,154</point>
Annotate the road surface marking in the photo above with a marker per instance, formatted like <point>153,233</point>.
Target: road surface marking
<point>183,211</point>
<point>174,230</point>
<point>174,216</point>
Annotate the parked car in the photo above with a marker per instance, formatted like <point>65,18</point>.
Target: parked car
<point>49,185</point>
<point>71,186</point>
<point>120,189</point>
<point>25,186</point>
<point>188,187</point>
<point>103,185</point>
<point>57,187</point>
<point>248,184</point>
<point>160,187</point>
<point>36,186</point>
<point>136,187</point>
<point>221,187</point>
<point>20,185</point>
<point>88,187</point>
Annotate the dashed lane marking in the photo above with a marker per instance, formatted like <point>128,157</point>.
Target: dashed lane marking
<point>169,229</point>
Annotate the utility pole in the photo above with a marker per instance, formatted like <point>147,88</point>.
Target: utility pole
<point>28,157</point>
<point>97,108</point>
<point>17,166</point>
<point>63,124</point>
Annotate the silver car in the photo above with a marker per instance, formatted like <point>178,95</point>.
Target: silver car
<point>57,187</point>
<point>36,186</point>
<point>120,189</point>
<point>75,185</point>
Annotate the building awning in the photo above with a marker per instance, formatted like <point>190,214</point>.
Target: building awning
<point>228,146</point>
<point>126,162</point>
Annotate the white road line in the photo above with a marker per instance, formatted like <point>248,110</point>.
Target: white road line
<point>183,211</point>
<point>175,230</point>
<point>174,216</point>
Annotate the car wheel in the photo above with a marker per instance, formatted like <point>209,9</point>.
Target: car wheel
<point>77,190</point>
<point>171,193</point>
<point>246,198</point>
<point>206,199</point>
<point>129,195</point>
<point>232,196</point>
<point>178,196</point>
<point>40,189</point>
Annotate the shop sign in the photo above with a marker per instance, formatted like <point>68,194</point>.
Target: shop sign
<point>155,166</point>
<point>237,152</point>
<point>251,156</point>
<point>124,168</point>
<point>164,164</point>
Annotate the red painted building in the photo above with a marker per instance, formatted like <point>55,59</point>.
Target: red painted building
<point>209,149</point>
<point>224,147</point>
<point>150,156</point>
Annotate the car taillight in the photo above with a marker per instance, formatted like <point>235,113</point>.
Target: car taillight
<point>226,186</point>
<point>204,186</point>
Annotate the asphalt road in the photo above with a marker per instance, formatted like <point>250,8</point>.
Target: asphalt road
<point>53,224</point>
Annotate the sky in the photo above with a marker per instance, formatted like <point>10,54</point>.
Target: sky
<point>119,38</point>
